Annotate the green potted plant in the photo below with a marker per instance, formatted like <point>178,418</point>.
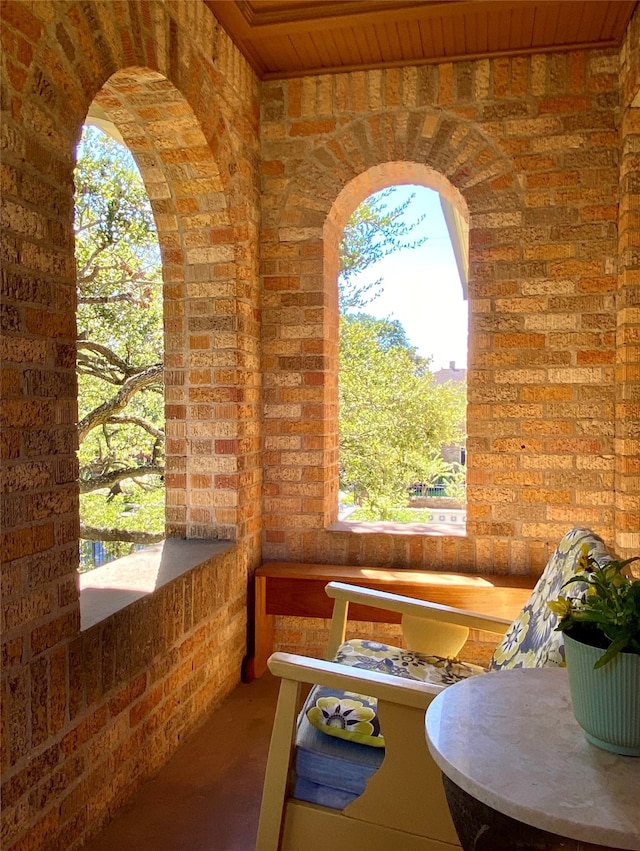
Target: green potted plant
<point>602,648</point>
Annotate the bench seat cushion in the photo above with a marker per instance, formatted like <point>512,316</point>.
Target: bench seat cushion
<point>331,772</point>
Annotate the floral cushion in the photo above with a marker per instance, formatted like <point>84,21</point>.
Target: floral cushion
<point>532,640</point>
<point>353,716</point>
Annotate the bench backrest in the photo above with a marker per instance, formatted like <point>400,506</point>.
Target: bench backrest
<point>532,640</point>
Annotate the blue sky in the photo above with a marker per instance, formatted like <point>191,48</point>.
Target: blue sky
<point>422,287</point>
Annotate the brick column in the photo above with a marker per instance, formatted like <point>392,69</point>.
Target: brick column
<point>627,479</point>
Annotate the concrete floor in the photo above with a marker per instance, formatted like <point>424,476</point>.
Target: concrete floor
<point>207,797</point>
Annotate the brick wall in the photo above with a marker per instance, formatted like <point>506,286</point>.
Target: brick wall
<point>251,185</point>
<point>87,721</point>
<point>530,148</point>
<point>627,432</point>
<point>88,715</point>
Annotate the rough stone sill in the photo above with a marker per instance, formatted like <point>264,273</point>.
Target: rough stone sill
<point>386,527</point>
<point>114,586</point>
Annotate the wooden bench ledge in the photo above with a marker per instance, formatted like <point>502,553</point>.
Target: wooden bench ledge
<point>296,589</point>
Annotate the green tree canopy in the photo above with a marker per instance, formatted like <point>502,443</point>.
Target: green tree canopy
<point>391,333</point>
<point>394,418</point>
<point>120,343</point>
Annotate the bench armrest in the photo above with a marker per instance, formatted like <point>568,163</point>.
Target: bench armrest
<point>401,703</point>
<point>304,669</point>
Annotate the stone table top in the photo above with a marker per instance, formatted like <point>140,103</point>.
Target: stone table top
<point>510,739</point>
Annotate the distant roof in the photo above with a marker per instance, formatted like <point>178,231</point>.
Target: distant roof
<point>450,373</point>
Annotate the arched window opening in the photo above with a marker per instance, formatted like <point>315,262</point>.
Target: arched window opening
<point>403,354</point>
<point>121,435</point>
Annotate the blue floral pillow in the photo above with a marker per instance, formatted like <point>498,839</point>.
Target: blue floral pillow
<point>532,640</point>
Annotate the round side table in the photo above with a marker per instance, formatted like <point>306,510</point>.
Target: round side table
<point>520,774</point>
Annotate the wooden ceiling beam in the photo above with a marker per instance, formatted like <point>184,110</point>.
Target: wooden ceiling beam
<point>370,12</point>
<point>332,11</point>
<point>293,38</point>
<point>436,60</point>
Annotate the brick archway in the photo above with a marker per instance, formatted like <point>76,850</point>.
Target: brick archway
<point>198,245</point>
<point>194,136</point>
<point>184,100</point>
<point>450,147</point>
<point>426,147</point>
<point>193,149</point>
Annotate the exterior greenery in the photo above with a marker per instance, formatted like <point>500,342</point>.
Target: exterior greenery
<point>373,231</point>
<point>394,418</point>
<point>120,345</point>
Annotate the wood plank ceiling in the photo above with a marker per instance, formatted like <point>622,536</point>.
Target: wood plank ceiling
<point>288,38</point>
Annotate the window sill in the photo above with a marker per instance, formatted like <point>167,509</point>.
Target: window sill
<point>387,527</point>
<point>114,586</point>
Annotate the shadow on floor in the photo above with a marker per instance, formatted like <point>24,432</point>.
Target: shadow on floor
<point>207,797</point>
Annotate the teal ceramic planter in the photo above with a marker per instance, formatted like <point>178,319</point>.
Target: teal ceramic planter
<point>606,701</point>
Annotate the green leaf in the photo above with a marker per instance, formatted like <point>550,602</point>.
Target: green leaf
<point>610,653</point>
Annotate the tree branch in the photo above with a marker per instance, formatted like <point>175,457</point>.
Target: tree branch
<point>155,432</point>
<point>108,480</point>
<point>89,263</point>
<point>85,366</point>
<point>117,403</point>
<point>106,299</point>
<point>104,352</point>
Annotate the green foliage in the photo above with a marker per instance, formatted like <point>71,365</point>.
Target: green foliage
<point>394,418</point>
<point>130,510</point>
<point>455,484</point>
<point>390,333</point>
<point>120,335</point>
<point>608,615</point>
<point>373,232</point>
<point>118,262</point>
<point>112,209</point>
